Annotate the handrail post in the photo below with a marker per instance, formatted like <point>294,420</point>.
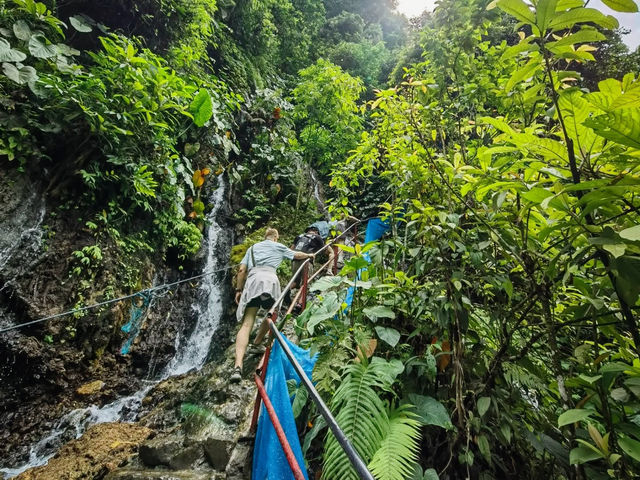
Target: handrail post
<point>263,372</point>
<point>305,286</point>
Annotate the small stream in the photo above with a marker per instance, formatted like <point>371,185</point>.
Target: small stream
<point>191,349</point>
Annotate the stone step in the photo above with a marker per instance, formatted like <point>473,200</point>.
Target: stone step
<point>180,453</point>
<point>126,474</point>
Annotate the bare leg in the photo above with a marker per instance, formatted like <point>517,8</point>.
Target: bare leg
<point>242,339</point>
<point>262,332</point>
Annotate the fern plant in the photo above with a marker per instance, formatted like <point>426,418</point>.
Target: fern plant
<point>386,439</point>
<point>398,452</point>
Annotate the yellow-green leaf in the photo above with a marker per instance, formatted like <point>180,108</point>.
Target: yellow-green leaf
<point>621,5</point>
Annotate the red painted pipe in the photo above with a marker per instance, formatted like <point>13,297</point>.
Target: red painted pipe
<point>263,374</point>
<point>291,458</point>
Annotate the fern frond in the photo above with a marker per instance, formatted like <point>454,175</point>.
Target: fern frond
<point>326,373</point>
<point>398,452</point>
<point>361,414</point>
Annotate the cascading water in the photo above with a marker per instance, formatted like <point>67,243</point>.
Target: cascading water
<point>316,193</point>
<point>191,352</point>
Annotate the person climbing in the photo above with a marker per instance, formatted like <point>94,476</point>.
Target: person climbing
<point>308,242</point>
<point>324,228</point>
<point>258,286</point>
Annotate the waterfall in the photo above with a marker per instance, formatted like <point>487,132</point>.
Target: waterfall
<point>316,193</point>
<point>191,351</point>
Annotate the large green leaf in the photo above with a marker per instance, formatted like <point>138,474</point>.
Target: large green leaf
<point>517,9</point>
<point>630,447</point>
<point>379,311</point>
<point>22,75</point>
<point>430,474</point>
<point>583,454</point>
<point>326,283</point>
<point>40,47</point>
<point>583,15</point>
<point>632,233</point>
<point>201,108</point>
<point>325,311</point>
<point>545,11</point>
<point>527,71</point>
<point>621,5</point>
<point>483,446</point>
<point>388,335</point>
<point>430,411</point>
<point>21,30</point>
<point>8,54</point>
<point>573,416</point>
<point>621,126</point>
<point>80,23</point>
<point>483,405</point>
<point>575,110</point>
<point>583,36</point>
<point>627,272</point>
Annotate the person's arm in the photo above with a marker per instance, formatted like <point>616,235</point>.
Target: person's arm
<point>302,255</point>
<point>240,279</point>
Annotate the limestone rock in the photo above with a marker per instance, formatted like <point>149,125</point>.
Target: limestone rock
<point>170,451</point>
<point>90,388</point>
<point>101,449</point>
<point>239,466</point>
<point>218,451</point>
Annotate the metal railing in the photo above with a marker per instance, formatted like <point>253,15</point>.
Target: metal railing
<point>358,464</point>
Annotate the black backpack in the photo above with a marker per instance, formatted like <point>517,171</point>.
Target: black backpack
<point>308,243</point>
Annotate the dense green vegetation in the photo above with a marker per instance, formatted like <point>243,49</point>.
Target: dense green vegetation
<point>507,290</point>
<point>494,333</point>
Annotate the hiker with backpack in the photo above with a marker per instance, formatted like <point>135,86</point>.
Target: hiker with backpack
<point>308,242</point>
<point>257,286</point>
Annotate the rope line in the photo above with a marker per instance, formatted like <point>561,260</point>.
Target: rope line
<point>146,291</point>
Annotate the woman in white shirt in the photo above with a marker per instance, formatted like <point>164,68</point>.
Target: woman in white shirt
<point>259,288</point>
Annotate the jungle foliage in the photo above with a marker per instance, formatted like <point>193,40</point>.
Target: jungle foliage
<point>494,332</point>
<point>507,291</point>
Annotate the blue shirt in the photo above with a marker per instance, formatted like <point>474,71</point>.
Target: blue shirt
<point>267,254</point>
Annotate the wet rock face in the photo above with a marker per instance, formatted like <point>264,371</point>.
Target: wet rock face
<point>50,369</point>
<point>42,366</point>
<point>100,450</point>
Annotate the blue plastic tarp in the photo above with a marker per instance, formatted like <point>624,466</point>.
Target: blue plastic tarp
<point>376,228</point>
<point>269,461</point>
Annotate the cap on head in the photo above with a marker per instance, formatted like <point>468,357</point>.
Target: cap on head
<point>312,229</point>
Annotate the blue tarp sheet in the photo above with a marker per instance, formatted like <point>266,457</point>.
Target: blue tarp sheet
<point>376,228</point>
<point>269,462</point>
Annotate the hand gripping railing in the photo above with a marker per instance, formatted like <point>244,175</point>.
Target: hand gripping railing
<point>271,317</point>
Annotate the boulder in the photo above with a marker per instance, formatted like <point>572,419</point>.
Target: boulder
<point>170,451</point>
<point>90,388</point>
<point>218,451</point>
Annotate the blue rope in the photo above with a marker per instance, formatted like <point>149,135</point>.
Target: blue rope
<point>132,327</point>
